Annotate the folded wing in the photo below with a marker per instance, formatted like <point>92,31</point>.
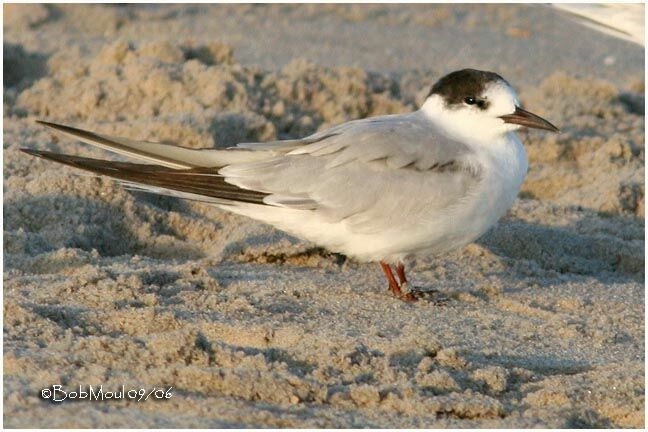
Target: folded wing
<point>178,157</point>
<point>363,172</point>
<point>366,172</point>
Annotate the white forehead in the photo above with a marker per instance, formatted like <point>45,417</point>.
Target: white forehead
<point>501,97</point>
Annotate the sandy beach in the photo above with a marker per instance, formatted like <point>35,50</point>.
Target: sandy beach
<point>543,319</point>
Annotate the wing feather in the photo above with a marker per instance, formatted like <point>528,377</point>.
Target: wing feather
<point>366,171</point>
<point>362,173</point>
<point>173,156</point>
<point>203,182</point>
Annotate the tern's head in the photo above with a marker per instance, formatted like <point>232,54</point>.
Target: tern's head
<point>477,105</point>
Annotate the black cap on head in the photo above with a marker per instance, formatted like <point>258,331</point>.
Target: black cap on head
<point>455,87</point>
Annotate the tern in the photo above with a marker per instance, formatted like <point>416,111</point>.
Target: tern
<point>381,189</point>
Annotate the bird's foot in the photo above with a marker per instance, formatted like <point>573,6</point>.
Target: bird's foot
<point>401,290</point>
<point>431,296</point>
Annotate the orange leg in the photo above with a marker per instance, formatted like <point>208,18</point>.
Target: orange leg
<point>393,285</point>
<point>396,288</point>
<point>400,271</point>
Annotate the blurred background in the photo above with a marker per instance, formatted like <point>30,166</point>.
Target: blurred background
<point>524,43</point>
<point>215,75</point>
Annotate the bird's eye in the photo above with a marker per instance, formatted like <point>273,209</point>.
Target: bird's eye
<point>470,100</point>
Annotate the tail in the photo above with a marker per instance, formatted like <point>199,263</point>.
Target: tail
<point>172,156</point>
<point>199,183</point>
<point>177,171</point>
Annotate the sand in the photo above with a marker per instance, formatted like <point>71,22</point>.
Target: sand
<point>543,319</point>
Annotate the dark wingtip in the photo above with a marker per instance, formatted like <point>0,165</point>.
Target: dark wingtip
<point>32,152</point>
<point>74,161</point>
<point>49,124</point>
<point>57,126</point>
<point>45,155</point>
<point>77,133</point>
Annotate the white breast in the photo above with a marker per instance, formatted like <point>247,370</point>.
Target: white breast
<point>505,166</point>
